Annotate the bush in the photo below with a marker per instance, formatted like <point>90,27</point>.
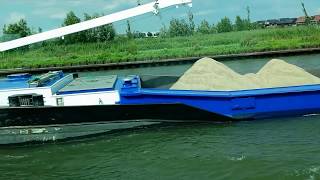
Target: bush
<point>224,25</point>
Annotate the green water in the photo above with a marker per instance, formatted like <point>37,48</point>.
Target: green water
<point>265,149</point>
<point>310,63</point>
<point>269,149</point>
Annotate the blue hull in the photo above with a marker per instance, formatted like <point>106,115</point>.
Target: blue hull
<point>247,104</point>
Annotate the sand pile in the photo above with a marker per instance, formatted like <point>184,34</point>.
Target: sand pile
<point>278,73</point>
<point>208,74</point>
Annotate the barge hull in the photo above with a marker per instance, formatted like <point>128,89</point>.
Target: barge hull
<point>33,116</point>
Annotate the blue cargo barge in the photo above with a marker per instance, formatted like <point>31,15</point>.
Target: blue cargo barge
<point>132,97</point>
<point>36,107</point>
<point>237,105</point>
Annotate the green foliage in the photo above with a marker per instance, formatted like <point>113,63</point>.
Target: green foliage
<point>99,34</point>
<point>163,32</point>
<point>128,30</point>
<point>192,25</point>
<point>179,27</point>
<point>132,48</point>
<point>19,28</point>
<point>122,49</point>
<point>70,19</point>
<point>91,34</point>
<point>224,25</point>
<point>243,24</point>
<point>204,27</point>
<point>9,37</point>
<point>239,24</point>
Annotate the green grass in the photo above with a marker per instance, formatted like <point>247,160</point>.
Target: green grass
<point>123,50</point>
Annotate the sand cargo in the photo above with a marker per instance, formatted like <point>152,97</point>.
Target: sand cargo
<point>210,75</point>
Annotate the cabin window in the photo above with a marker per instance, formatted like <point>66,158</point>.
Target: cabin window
<point>60,101</point>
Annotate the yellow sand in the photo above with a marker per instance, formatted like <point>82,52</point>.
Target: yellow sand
<point>208,74</point>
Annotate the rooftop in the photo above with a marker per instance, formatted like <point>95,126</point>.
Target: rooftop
<point>89,84</point>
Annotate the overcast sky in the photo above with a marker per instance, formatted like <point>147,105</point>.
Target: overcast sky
<point>49,14</point>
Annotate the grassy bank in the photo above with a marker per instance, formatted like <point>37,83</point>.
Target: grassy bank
<point>123,50</point>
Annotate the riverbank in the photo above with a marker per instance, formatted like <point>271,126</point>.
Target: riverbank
<point>162,62</point>
<point>156,49</point>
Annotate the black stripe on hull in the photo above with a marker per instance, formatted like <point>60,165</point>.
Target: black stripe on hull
<point>32,116</point>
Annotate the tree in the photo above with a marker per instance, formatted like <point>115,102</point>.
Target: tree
<point>91,34</point>
<point>99,34</point>
<point>239,24</point>
<point>204,27</point>
<point>19,29</point>
<point>192,25</point>
<point>106,33</point>
<point>213,29</point>
<point>70,19</point>
<point>128,31</point>
<point>247,25</point>
<point>163,31</point>
<point>224,25</point>
<point>179,28</point>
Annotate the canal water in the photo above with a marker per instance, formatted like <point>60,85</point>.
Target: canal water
<point>286,148</point>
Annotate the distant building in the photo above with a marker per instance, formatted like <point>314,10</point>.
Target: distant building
<point>261,22</point>
<point>287,21</point>
<point>152,34</point>
<point>314,20</point>
<point>138,34</point>
<point>271,22</point>
<point>301,20</point>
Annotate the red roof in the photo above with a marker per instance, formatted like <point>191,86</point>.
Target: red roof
<point>317,18</point>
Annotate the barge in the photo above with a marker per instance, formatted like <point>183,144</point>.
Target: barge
<point>38,107</point>
<point>56,106</point>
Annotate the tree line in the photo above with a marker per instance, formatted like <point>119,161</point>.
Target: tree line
<point>177,27</point>
<point>99,34</point>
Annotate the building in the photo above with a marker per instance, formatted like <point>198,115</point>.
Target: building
<point>271,22</point>
<point>287,21</point>
<point>301,20</point>
<point>314,20</point>
<point>138,34</point>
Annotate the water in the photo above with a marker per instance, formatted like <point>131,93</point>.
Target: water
<point>266,149</point>
<point>310,63</point>
<point>269,149</point>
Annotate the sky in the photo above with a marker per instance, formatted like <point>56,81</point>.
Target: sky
<point>49,14</point>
